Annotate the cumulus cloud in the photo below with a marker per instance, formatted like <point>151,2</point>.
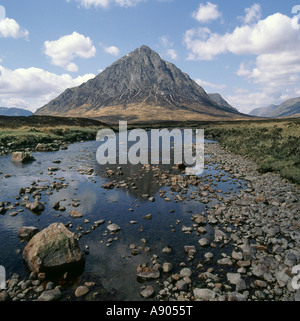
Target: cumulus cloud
<point>9,28</point>
<point>271,47</point>
<point>112,50</point>
<point>273,34</point>
<point>15,102</point>
<point>169,51</point>
<point>66,48</point>
<point>106,3</point>
<point>253,14</point>
<point>247,101</point>
<point>206,12</point>
<point>172,54</point>
<point>206,84</point>
<point>34,86</point>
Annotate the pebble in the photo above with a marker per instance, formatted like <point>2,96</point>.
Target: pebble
<point>81,291</point>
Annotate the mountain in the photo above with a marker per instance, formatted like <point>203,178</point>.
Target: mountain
<point>12,111</point>
<point>220,101</point>
<point>263,111</point>
<point>288,108</point>
<point>139,87</point>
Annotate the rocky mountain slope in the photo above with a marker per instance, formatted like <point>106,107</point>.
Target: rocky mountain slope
<point>139,87</point>
<point>289,108</point>
<point>220,101</point>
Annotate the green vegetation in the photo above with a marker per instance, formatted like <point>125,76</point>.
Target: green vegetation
<point>273,144</point>
<point>28,137</point>
<point>22,132</point>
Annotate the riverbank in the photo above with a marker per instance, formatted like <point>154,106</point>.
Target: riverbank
<point>243,246</point>
<point>21,133</point>
<point>274,144</point>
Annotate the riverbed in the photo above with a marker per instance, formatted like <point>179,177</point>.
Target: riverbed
<point>250,259</point>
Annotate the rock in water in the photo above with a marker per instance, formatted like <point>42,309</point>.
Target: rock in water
<point>36,206</point>
<point>22,157</point>
<point>81,291</point>
<point>27,232</point>
<point>113,228</point>
<point>54,248</point>
<point>75,214</point>
<point>147,273</point>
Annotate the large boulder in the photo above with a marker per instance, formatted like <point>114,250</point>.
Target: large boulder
<point>53,249</point>
<point>22,157</point>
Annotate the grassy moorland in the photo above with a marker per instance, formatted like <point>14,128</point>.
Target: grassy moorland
<point>22,132</point>
<point>273,144</point>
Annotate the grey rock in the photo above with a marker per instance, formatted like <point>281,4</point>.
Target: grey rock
<point>81,291</point>
<point>204,294</point>
<point>219,235</point>
<point>147,292</point>
<point>225,261</point>
<point>282,278</point>
<point>235,296</point>
<point>186,272</point>
<point>234,278</point>
<point>147,273</point>
<point>22,157</point>
<point>204,242</point>
<point>27,232</point>
<point>167,267</point>
<point>113,228</point>
<point>4,296</point>
<point>55,247</point>
<point>181,285</point>
<point>50,295</point>
<point>167,249</point>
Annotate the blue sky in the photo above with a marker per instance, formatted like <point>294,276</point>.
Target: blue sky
<point>248,51</point>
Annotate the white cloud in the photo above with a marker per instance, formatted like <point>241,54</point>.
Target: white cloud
<point>206,84</point>
<point>253,14</point>
<point>66,48</point>
<point>106,3</point>
<point>203,44</point>
<point>9,28</point>
<point>34,85</point>
<point>246,102</point>
<point>112,50</point>
<point>172,54</point>
<point>15,102</point>
<point>206,12</point>
<point>273,43</point>
<point>273,34</point>
<point>165,41</point>
<point>169,52</point>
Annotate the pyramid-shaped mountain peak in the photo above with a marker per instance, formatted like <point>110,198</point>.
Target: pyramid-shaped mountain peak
<point>140,86</point>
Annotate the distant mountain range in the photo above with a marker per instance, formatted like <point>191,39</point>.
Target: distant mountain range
<point>289,108</point>
<point>12,111</point>
<point>141,87</point>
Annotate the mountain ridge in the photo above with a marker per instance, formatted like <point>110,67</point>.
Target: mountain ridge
<point>14,111</point>
<point>288,108</point>
<point>139,86</point>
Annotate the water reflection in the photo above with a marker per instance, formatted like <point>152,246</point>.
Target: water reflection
<point>109,262</point>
